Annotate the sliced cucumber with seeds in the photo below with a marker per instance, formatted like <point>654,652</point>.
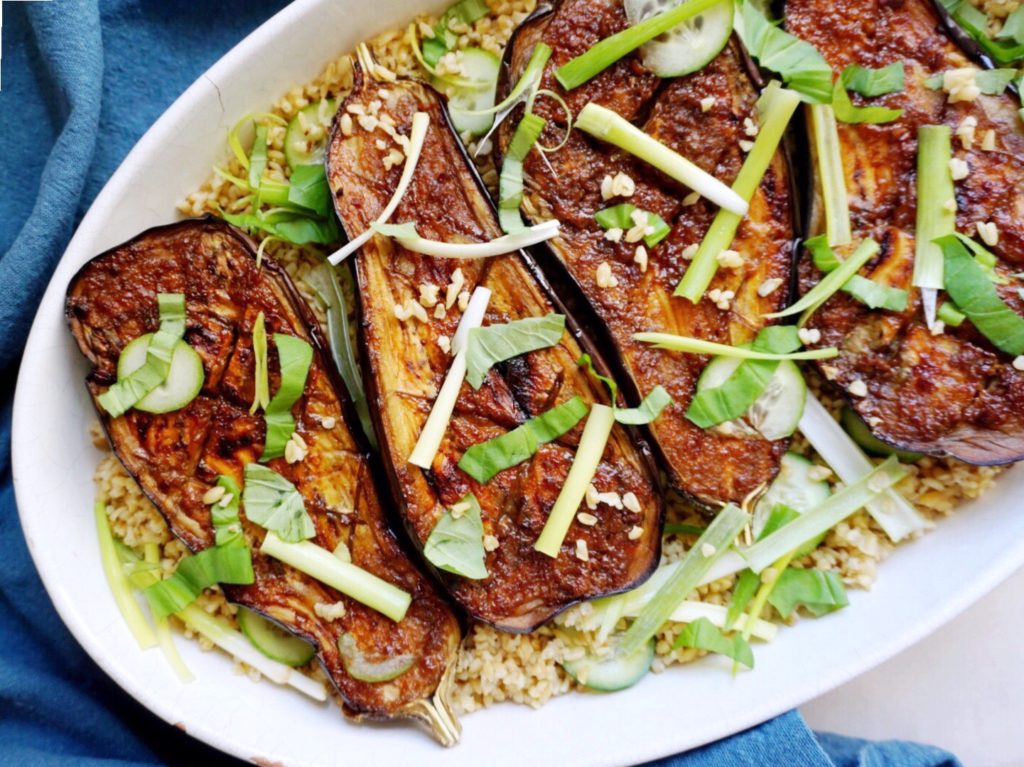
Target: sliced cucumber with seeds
<point>794,488</point>
<point>856,428</point>
<point>184,379</point>
<point>273,641</point>
<point>359,666</point>
<point>306,137</point>
<point>481,67</point>
<point>775,413</point>
<point>612,672</point>
<point>686,47</point>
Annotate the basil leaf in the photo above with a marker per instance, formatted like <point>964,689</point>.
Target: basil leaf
<point>974,295</point>
<point>702,634</point>
<point>485,459</point>
<point>798,62</point>
<point>295,356</point>
<point>457,545</point>
<point>308,189</point>
<point>846,112</point>
<point>648,409</point>
<point>874,82</point>
<point>734,397</point>
<point>821,592</point>
<point>487,346</point>
<point>746,586</point>
<point>196,572</point>
<point>274,503</point>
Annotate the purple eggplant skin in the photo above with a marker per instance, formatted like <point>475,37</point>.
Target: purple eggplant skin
<point>176,457</point>
<point>405,367</point>
<point>708,467</point>
<point>952,394</point>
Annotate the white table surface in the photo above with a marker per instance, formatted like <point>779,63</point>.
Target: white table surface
<point>962,688</point>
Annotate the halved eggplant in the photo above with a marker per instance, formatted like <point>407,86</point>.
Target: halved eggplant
<point>709,466</point>
<point>406,365</point>
<point>176,457</point>
<point>948,394</point>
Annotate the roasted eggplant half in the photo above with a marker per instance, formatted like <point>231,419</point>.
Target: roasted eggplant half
<point>406,360</point>
<point>177,456</point>
<point>702,116</point>
<point>952,392</point>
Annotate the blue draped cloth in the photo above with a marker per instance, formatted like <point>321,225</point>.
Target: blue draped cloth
<point>80,83</point>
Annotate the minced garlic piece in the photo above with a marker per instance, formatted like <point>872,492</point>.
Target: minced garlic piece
<point>587,519</point>
<point>959,169</point>
<point>581,551</point>
<point>988,231</point>
<point>769,286</point>
<point>690,251</point>
<point>330,611</point>
<point>635,532</point>
<point>730,259</point>
<point>706,103</point>
<point>640,258</point>
<point>808,335</point>
<point>858,388</point>
<point>604,276</point>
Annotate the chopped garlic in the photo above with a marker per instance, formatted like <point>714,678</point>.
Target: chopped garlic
<point>690,251</point>
<point>988,231</point>
<point>809,335</point>
<point>730,259</point>
<point>959,169</point>
<point>769,286</point>
<point>635,532</point>
<point>640,258</point>
<point>706,103</point>
<point>581,551</point>
<point>613,235</point>
<point>858,388</point>
<point>604,276</point>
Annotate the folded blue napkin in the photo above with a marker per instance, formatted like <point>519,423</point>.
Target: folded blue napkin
<point>80,84</point>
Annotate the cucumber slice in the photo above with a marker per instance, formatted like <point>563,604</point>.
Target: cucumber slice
<point>776,413</point>
<point>611,673</point>
<point>358,666</point>
<point>686,47</point>
<point>795,489</point>
<point>184,380</point>
<point>856,428</point>
<point>306,137</point>
<point>482,68</point>
<point>273,641</point>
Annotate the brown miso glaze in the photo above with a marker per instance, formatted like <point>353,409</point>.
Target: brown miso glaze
<point>952,393</point>
<point>406,366</point>
<point>707,465</point>
<point>176,457</point>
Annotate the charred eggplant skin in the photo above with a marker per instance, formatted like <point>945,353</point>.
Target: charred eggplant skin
<point>949,394</point>
<point>177,456</point>
<point>405,368</point>
<point>708,467</point>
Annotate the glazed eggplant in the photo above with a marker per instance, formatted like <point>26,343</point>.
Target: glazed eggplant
<point>406,364</point>
<point>701,116</point>
<point>176,457</point>
<point>952,393</point>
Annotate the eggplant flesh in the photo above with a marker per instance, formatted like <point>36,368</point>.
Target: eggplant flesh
<point>948,394</point>
<point>711,466</point>
<point>176,457</point>
<point>405,366</point>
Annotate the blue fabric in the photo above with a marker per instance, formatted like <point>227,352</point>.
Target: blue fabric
<point>80,84</point>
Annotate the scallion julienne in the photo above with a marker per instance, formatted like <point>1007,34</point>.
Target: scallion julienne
<point>606,125</point>
<point>118,582</point>
<point>444,405</point>
<point>530,77</point>
<point>894,514</point>
<point>711,545</point>
<point>822,518</point>
<point>417,134</point>
<point>700,346</point>
<point>362,585</point>
<point>778,107</point>
<point>163,628</point>
<point>406,236</point>
<point>936,212</point>
<point>831,175</point>
<point>831,283</point>
<point>584,466</point>
<point>603,54</point>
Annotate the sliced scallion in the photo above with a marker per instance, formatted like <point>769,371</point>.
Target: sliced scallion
<point>295,356</point>
<point>606,52</point>
<point>825,516</point>
<point>776,108</point>
<point>362,585</point>
<point>261,375</point>
<point>510,183</point>
<point>712,544</point>
<point>621,217</point>
<point>846,112</point>
<point>700,346</point>
<point>195,572</point>
<point>444,405</point>
<point>487,346</point>
<point>830,283</point>
<point>606,125</point>
<point>584,466</point>
<point>118,581</point>
<point>873,294</point>
<point>831,175</point>
<point>894,514</point>
<point>935,217</point>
